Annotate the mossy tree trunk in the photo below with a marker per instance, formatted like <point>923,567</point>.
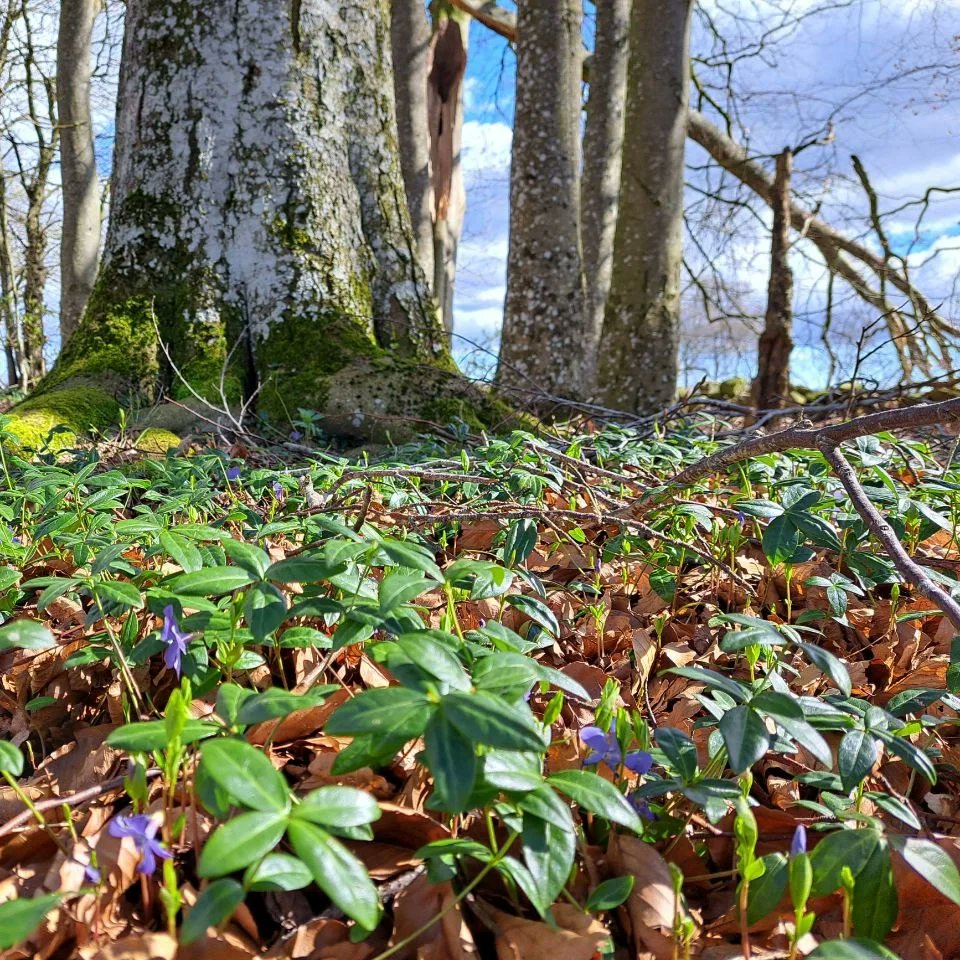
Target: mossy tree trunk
<point>259,229</point>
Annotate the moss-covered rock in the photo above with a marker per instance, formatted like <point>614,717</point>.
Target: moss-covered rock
<point>76,410</point>
<point>157,440</point>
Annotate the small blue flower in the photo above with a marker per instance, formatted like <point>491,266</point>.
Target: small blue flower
<point>799,843</point>
<point>603,746</point>
<point>278,492</point>
<point>91,873</point>
<point>142,830</point>
<point>296,435</point>
<point>741,517</point>
<point>174,639</point>
<point>641,806</point>
<point>639,761</point>
<point>233,474</point>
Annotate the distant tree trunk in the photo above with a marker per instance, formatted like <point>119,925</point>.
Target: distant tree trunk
<point>773,368</point>
<point>451,29</point>
<point>12,342</point>
<point>258,228</point>
<point>410,41</point>
<point>80,241</point>
<point>637,368</point>
<point>602,152</point>
<point>544,347</point>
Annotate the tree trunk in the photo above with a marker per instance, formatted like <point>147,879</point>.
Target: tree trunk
<point>637,369</point>
<point>602,152</point>
<point>410,41</point>
<point>259,225</point>
<point>543,346</point>
<point>80,241</point>
<point>773,367</point>
<point>12,342</point>
<point>451,28</point>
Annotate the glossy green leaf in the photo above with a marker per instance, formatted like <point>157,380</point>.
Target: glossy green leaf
<point>597,795</point>
<point>25,635</point>
<point>856,756</point>
<point>745,736</point>
<point>488,719</point>
<point>11,759</point>
<point>932,862</point>
<point>241,841</point>
<point>337,806</point>
<point>451,758</point>
<point>610,894</point>
<point>215,905</point>
<point>277,871</point>
<point>210,582</point>
<point>387,712</point>
<point>245,774</point>
<point>19,918</point>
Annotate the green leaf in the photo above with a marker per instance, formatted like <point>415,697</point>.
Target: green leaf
<point>240,842</point>
<point>25,635</point>
<point>274,703</point>
<point>214,905</point>
<point>389,712</point>
<point>181,551</point>
<point>277,871</point>
<point>412,555</point>
<point>842,848</point>
<point>150,735</point>
<point>119,592</point>
<point>488,719</point>
<point>548,852</point>
<point>745,735</point>
<point>829,664</point>
<point>247,556</point>
<point>932,862</point>
<point>875,903</point>
<point>337,872</point>
<point>853,949</point>
<point>11,759</point>
<point>537,611</point>
<point>246,775</point>
<point>768,889</point>
<point>710,678</point>
<point>856,756</point>
<point>19,918</point>
<point>397,589</point>
<point>265,608</point>
<point>451,758</point>
<point>210,582</point>
<point>610,894</point>
<point>337,806</point>
<point>780,539</point>
<point>597,795</point>
<point>513,771</point>
<point>303,569</point>
<point>432,655</point>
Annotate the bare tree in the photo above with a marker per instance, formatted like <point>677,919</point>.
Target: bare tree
<point>80,237</point>
<point>544,343</point>
<point>637,363</point>
<point>602,151</point>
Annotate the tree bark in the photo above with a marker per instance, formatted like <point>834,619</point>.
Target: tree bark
<point>410,41</point>
<point>80,240</point>
<point>451,28</point>
<point>259,231</point>
<point>543,345</point>
<point>637,365</point>
<point>773,366</point>
<point>602,153</point>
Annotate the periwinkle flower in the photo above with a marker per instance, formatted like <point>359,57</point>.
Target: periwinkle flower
<point>142,830</point>
<point>296,435</point>
<point>278,491</point>
<point>641,806</point>
<point>604,747</point>
<point>799,843</point>
<point>91,873</point>
<point>174,639</point>
<point>233,474</point>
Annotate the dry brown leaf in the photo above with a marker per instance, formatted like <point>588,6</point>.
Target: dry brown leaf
<point>578,935</point>
<point>448,939</point>
<point>651,906</point>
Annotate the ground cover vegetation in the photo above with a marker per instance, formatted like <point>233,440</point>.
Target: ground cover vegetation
<point>668,693</point>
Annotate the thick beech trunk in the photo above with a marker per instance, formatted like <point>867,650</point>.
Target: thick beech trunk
<point>80,240</point>
<point>259,225</point>
<point>637,367</point>
<point>543,346</point>
<point>602,152</point>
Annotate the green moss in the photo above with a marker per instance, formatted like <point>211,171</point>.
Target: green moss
<point>79,409</point>
<point>157,440</point>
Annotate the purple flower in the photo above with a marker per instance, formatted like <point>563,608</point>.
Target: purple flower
<point>604,747</point>
<point>641,806</point>
<point>799,843</point>
<point>174,639</point>
<point>741,517</point>
<point>233,473</point>
<point>142,830</point>
<point>92,873</point>
<point>278,491</point>
<point>296,435</point>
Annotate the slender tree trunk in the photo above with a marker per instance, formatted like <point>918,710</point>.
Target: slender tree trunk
<point>544,343</point>
<point>12,343</point>
<point>259,238</point>
<point>602,152</point>
<point>35,274</point>
<point>637,369</point>
<point>410,41</point>
<point>451,28</point>
<point>773,367</point>
<point>80,240</point>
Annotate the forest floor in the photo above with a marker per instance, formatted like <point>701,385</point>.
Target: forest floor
<point>508,697</point>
